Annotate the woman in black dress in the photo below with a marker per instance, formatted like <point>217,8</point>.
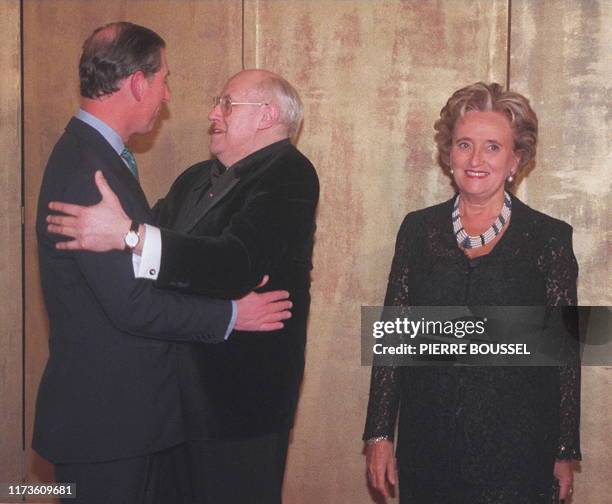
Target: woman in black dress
<point>478,435</point>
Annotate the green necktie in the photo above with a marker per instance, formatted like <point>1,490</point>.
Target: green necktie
<point>129,158</point>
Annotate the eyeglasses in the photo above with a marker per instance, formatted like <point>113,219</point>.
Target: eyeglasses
<point>226,103</point>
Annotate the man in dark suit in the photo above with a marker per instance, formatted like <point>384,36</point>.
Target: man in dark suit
<point>108,413</point>
<point>224,223</point>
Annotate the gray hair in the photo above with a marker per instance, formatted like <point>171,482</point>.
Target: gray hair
<point>291,110</point>
<point>489,97</point>
<point>115,51</point>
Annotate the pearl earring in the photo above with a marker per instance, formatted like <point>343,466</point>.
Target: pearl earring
<point>510,179</point>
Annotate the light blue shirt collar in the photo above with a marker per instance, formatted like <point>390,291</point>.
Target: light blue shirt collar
<point>109,134</point>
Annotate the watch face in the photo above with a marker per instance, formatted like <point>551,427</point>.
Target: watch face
<point>131,239</point>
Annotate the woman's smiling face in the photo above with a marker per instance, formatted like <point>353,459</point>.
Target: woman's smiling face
<point>482,154</point>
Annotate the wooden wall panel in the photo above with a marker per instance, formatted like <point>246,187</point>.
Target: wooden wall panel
<point>373,77</point>
<point>11,452</point>
<point>561,59</point>
<point>204,40</point>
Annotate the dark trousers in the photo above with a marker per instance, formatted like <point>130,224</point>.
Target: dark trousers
<point>151,479</point>
<point>242,471</point>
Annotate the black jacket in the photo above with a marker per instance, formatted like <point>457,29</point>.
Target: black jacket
<point>497,427</point>
<point>110,387</point>
<point>260,222</point>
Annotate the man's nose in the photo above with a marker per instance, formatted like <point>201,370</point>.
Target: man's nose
<point>215,112</point>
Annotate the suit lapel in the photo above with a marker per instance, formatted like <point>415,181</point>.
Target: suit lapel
<point>120,171</point>
<point>189,201</point>
<point>109,162</point>
<point>196,204</point>
<point>212,203</point>
<point>199,205</point>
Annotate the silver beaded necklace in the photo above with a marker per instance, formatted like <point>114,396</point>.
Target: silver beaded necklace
<point>468,242</point>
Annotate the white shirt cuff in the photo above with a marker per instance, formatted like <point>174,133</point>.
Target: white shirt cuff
<point>147,264</point>
<point>232,323</point>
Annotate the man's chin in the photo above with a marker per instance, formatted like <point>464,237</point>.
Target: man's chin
<point>145,129</point>
<point>214,148</point>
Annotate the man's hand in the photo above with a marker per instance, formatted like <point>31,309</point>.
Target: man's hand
<point>263,312</point>
<point>96,228</point>
<point>564,472</point>
<point>381,466</point>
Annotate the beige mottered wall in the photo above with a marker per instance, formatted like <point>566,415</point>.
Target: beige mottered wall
<point>373,76</point>
<point>562,59</point>
<point>11,453</point>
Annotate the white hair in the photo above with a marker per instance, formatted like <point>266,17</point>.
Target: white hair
<point>291,110</point>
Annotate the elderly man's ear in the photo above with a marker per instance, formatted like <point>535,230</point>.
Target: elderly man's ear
<point>269,117</point>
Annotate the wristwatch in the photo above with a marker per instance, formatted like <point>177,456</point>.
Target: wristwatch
<point>132,237</point>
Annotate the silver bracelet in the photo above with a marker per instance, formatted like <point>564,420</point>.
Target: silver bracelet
<point>377,439</point>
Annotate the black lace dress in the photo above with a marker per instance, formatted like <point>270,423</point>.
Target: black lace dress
<point>479,435</point>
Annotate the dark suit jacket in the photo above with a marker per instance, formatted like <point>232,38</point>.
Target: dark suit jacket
<point>262,222</point>
<point>110,388</point>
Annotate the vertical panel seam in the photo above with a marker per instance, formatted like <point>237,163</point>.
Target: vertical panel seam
<point>22,211</point>
<point>243,28</point>
<point>508,44</point>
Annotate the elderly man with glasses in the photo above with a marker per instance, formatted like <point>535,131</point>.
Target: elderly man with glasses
<point>224,224</point>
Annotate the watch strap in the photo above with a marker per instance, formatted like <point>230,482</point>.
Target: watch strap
<point>133,229</point>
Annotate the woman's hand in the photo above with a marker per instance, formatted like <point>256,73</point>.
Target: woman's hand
<point>381,466</point>
<point>564,472</point>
